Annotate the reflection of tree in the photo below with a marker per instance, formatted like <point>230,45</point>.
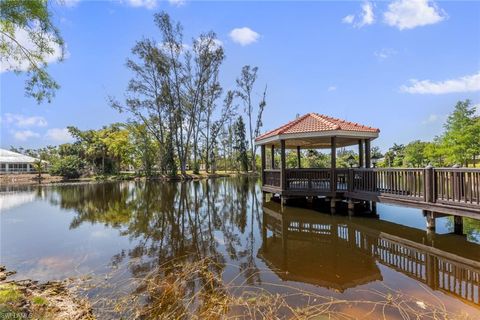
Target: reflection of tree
<point>172,224</point>
<point>471,228</point>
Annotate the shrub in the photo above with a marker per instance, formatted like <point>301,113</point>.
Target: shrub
<point>69,167</point>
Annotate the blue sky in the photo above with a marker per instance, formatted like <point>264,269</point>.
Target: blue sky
<point>354,60</point>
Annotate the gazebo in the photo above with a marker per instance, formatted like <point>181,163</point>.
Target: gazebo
<point>312,131</point>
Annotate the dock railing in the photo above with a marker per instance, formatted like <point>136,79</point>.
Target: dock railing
<point>459,187</point>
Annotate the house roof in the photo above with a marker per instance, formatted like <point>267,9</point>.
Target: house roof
<point>7,156</point>
<point>316,123</point>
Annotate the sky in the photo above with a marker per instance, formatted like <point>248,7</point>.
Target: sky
<point>399,65</point>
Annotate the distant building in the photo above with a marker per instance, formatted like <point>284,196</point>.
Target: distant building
<point>13,162</point>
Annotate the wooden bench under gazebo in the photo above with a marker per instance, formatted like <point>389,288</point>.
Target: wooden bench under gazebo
<point>312,131</point>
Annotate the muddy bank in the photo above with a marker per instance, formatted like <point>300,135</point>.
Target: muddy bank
<point>27,299</point>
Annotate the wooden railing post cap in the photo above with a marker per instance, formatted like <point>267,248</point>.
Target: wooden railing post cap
<point>429,166</point>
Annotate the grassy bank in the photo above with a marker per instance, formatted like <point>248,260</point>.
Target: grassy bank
<point>27,299</point>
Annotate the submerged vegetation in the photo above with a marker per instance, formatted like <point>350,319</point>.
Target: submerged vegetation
<point>186,289</point>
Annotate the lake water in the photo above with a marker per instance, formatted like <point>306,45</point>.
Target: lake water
<point>115,236</point>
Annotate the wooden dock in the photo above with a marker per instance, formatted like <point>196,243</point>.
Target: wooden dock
<point>454,191</point>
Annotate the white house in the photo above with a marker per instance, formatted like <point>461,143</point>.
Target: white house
<point>13,162</point>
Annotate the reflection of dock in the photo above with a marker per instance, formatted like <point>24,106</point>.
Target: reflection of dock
<point>340,253</point>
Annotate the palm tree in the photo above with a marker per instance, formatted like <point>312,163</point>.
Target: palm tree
<point>38,165</point>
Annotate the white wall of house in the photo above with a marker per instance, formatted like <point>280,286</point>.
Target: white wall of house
<point>16,167</point>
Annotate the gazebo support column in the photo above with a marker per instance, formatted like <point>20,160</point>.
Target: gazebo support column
<point>283,177</point>
<point>367,153</point>
<point>333,180</point>
<point>262,151</point>
<point>272,160</point>
<point>299,158</point>
<point>360,153</point>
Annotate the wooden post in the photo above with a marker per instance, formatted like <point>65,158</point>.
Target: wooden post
<point>333,182</point>
<point>273,157</point>
<point>298,158</point>
<point>282,165</point>
<point>367,153</point>
<point>429,184</point>
<point>262,151</point>
<point>430,219</point>
<point>458,225</point>
<point>360,153</point>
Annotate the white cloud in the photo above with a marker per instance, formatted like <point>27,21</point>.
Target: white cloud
<point>24,135</point>
<point>432,118</point>
<point>408,14</point>
<point>348,19</point>
<point>59,135</point>
<point>22,121</point>
<point>469,83</point>
<point>366,17</point>
<point>384,53</point>
<point>244,36</point>
<point>68,3</point>
<point>177,3</point>
<point>148,4</point>
<point>332,88</point>
<point>23,38</point>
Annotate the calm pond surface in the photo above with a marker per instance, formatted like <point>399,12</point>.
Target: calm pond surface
<point>115,236</point>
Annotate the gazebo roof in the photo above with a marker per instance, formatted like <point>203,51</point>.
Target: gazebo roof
<point>310,130</point>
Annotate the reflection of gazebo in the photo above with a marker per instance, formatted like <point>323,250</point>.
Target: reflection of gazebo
<point>315,249</point>
<point>329,265</point>
<point>311,131</point>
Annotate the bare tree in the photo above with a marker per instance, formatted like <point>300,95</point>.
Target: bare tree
<point>245,86</point>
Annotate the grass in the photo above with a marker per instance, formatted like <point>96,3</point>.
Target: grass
<point>196,290</point>
<point>9,293</point>
<point>39,301</point>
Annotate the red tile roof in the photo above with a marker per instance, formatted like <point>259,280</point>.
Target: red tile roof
<point>314,122</point>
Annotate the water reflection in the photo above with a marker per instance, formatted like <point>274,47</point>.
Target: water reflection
<point>135,233</point>
<point>341,253</point>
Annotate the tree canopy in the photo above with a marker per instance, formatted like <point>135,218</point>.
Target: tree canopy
<point>27,38</point>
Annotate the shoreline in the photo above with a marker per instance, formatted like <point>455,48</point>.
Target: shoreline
<point>29,299</point>
<point>31,179</point>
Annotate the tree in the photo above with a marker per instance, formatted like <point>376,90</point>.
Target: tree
<point>69,167</point>
<point>245,85</point>
<point>145,148</point>
<point>39,167</point>
<point>461,140</point>
<point>241,143</point>
<point>31,20</point>
<point>414,154</point>
<point>170,87</point>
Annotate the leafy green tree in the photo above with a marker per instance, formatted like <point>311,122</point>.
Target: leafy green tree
<point>315,159</point>
<point>343,157</point>
<point>39,167</point>
<point>241,143</point>
<point>434,153</point>
<point>30,19</point>
<point>69,167</point>
<point>145,148</point>
<point>414,154</point>
<point>461,140</point>
<point>394,156</point>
